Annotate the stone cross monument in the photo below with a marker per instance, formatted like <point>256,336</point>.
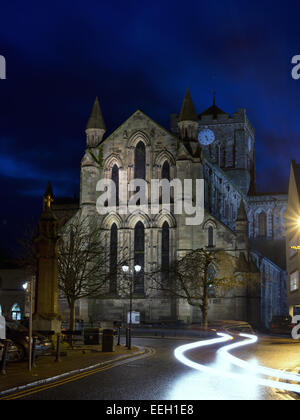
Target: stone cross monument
<point>46,317</point>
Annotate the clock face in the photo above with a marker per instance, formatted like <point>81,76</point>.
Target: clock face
<point>206,137</point>
<point>249,143</point>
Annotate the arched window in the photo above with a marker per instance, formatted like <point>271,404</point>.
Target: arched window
<point>165,251</point>
<point>211,286</point>
<point>16,312</point>
<point>115,178</point>
<point>139,164</point>
<point>210,233</point>
<point>113,258</point>
<point>140,161</point>
<point>139,256</point>
<point>165,173</point>
<point>262,224</point>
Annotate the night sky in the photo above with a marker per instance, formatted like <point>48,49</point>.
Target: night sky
<point>136,55</point>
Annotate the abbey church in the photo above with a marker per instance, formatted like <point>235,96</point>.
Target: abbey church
<point>248,225</point>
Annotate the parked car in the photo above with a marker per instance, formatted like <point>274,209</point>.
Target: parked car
<point>281,325</point>
<point>20,336</point>
<point>12,351</point>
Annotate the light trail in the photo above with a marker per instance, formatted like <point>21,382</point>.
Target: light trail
<point>179,352</point>
<point>224,352</point>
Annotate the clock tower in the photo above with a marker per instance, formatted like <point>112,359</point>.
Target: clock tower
<point>228,141</point>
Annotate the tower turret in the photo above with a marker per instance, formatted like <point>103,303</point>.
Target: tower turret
<point>95,128</point>
<point>188,120</point>
<point>241,227</point>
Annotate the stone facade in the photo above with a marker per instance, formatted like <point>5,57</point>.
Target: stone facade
<point>228,169</point>
<point>293,240</point>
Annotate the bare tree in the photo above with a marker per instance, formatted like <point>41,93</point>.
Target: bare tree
<point>197,276</point>
<point>27,257</point>
<point>85,266</point>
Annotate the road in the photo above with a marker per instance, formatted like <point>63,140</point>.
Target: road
<point>161,376</point>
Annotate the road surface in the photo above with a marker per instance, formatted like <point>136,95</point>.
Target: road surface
<point>160,376</point>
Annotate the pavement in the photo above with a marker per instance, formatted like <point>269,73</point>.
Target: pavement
<point>277,352</point>
<point>72,362</point>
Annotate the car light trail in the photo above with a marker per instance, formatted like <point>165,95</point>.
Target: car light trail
<point>224,352</point>
<point>248,367</point>
<point>179,352</point>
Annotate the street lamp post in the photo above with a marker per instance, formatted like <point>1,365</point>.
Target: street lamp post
<point>126,270</point>
<point>29,287</point>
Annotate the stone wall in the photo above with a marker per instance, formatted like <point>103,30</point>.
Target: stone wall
<point>226,184</point>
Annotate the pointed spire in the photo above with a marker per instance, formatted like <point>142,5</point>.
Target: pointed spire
<point>188,112</point>
<point>242,215</point>
<point>96,118</point>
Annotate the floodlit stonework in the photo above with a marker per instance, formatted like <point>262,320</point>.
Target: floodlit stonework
<point>245,224</point>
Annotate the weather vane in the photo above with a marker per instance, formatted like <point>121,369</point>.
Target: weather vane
<point>214,89</point>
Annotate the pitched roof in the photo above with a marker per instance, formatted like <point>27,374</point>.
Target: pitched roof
<point>273,249</point>
<point>188,112</point>
<point>213,110</point>
<point>244,266</point>
<point>139,113</point>
<point>96,118</point>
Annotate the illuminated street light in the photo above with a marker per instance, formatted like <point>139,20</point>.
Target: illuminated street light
<point>296,247</point>
<point>137,268</point>
<point>126,270</point>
